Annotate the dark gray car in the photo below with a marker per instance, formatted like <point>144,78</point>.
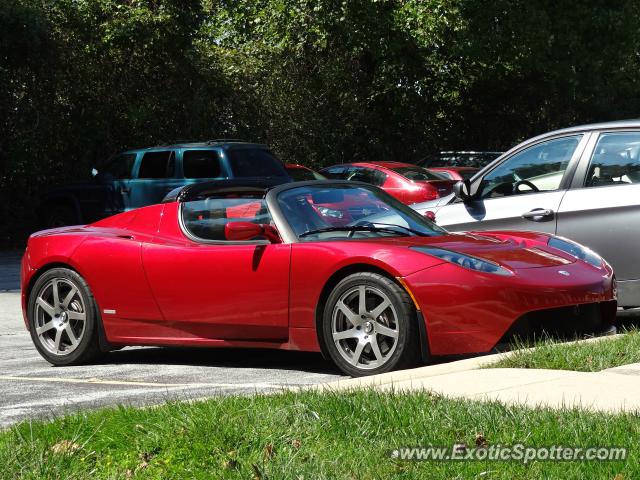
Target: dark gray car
<point>582,183</point>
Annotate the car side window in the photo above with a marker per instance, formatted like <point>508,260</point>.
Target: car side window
<point>120,167</point>
<point>338,173</point>
<point>368,175</point>
<point>255,162</point>
<point>615,160</point>
<point>157,165</point>
<point>539,168</point>
<point>205,219</point>
<point>201,164</point>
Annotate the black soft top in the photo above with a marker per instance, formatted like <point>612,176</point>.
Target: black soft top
<point>197,191</point>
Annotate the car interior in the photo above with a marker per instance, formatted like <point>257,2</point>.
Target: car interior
<point>536,169</point>
<point>614,162</point>
<point>206,219</point>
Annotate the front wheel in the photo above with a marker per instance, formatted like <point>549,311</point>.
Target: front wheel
<point>63,319</point>
<point>370,326</point>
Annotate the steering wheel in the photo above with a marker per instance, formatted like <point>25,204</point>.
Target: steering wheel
<point>516,186</point>
<point>504,189</point>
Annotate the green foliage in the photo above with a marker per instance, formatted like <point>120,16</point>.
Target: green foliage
<point>548,353</point>
<point>321,81</point>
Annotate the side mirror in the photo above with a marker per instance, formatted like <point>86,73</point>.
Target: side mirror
<point>242,231</point>
<point>94,172</point>
<point>462,190</point>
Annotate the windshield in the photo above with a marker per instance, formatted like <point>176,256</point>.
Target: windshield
<point>338,212</point>
<point>418,173</point>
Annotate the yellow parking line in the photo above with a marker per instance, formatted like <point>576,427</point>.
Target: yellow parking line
<point>98,381</point>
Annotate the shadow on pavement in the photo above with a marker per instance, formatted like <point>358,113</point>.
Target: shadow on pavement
<point>628,319</point>
<point>223,357</point>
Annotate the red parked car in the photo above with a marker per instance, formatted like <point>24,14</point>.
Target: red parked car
<point>406,182</point>
<point>301,173</point>
<point>380,290</point>
<point>454,173</point>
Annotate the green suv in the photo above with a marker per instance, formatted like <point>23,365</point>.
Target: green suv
<point>135,178</point>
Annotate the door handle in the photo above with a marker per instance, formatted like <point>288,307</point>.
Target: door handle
<point>124,190</point>
<point>539,214</point>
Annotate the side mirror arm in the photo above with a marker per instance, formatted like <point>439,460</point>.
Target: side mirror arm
<point>271,234</point>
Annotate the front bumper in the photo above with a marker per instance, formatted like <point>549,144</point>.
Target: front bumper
<point>563,322</point>
<point>471,312</point>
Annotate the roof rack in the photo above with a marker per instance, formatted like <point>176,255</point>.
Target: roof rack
<point>222,140</point>
<point>170,143</point>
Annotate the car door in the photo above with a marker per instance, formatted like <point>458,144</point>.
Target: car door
<point>602,210</point>
<point>523,192</point>
<point>209,288</point>
<point>155,177</point>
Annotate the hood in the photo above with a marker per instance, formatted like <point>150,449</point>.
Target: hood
<point>511,252</point>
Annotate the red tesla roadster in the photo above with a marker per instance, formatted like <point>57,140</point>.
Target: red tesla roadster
<point>375,288</point>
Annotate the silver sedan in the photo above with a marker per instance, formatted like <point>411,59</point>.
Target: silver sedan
<point>582,183</point>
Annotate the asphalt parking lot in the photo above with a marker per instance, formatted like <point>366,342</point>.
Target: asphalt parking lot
<point>32,388</point>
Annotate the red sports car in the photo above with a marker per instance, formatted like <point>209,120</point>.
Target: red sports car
<point>406,182</point>
<point>383,289</point>
<point>454,173</point>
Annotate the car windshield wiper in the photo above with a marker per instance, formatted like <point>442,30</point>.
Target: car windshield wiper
<point>353,228</point>
<point>415,232</point>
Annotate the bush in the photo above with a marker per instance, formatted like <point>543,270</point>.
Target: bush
<point>320,81</point>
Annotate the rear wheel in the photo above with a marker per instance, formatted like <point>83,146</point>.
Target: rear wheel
<point>370,325</point>
<point>63,319</point>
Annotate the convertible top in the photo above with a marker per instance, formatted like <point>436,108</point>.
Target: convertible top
<point>196,191</point>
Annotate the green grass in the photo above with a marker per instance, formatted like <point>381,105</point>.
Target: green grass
<point>582,357</point>
<point>307,435</point>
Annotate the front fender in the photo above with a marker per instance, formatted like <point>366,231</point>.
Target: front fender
<point>313,264</point>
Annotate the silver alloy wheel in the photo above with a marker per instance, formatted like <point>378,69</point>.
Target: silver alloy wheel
<point>60,316</point>
<point>364,326</point>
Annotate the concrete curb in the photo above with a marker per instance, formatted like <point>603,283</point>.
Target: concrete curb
<point>417,374</point>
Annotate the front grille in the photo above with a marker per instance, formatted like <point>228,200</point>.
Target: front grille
<point>563,323</point>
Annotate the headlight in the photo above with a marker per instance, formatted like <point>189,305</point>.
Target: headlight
<point>465,261</point>
<point>576,250</point>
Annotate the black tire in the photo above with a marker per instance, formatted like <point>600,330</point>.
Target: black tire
<point>60,215</point>
<point>407,348</point>
<point>87,348</point>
